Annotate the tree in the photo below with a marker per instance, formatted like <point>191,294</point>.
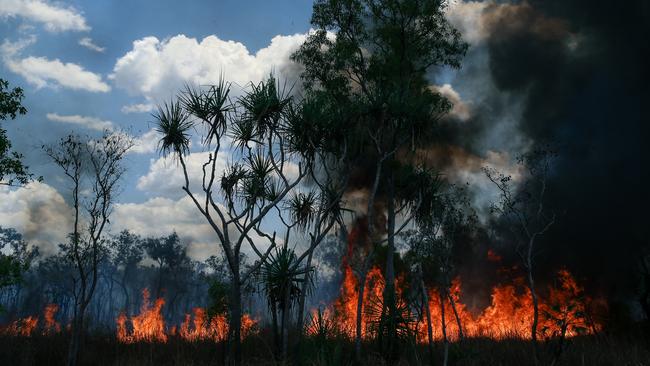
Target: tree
<point>12,169</point>
<point>168,253</point>
<point>282,280</point>
<point>448,220</point>
<point>524,209</point>
<point>267,165</point>
<point>127,253</point>
<point>15,258</point>
<point>375,66</point>
<point>94,168</point>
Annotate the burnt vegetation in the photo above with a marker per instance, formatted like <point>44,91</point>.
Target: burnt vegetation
<point>343,231</point>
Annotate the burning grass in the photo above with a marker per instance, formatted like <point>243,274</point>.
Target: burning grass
<point>565,311</point>
<point>149,325</point>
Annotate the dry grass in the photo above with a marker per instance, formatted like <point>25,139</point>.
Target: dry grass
<point>624,349</point>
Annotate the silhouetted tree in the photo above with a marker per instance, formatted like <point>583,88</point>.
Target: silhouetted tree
<point>12,169</point>
<point>127,253</point>
<point>94,169</point>
<point>524,208</point>
<point>15,258</point>
<point>264,170</point>
<point>375,66</point>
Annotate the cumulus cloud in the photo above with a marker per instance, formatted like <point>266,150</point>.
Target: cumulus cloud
<point>137,108</point>
<point>54,17</point>
<point>37,211</point>
<point>89,44</point>
<point>158,68</point>
<point>165,176</point>
<point>42,72</point>
<point>160,216</point>
<point>146,143</point>
<point>84,121</point>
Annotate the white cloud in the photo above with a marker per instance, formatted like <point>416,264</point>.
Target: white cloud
<point>84,121</point>
<point>37,211</point>
<point>42,72</point>
<point>54,17</point>
<point>160,216</point>
<point>89,44</point>
<point>137,108</point>
<point>146,143</point>
<point>157,69</point>
<point>165,176</point>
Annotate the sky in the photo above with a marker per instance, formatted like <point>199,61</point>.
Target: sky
<point>88,66</point>
<point>569,71</point>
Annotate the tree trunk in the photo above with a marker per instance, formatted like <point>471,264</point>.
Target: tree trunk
<point>427,312</point>
<point>286,310</point>
<point>276,332</point>
<point>458,321</point>
<point>303,295</point>
<point>443,323</point>
<point>77,331</point>
<point>357,341</point>
<point>234,326</point>
<point>533,295</point>
<point>389,290</point>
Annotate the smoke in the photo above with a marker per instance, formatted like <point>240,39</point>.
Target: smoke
<point>573,73</point>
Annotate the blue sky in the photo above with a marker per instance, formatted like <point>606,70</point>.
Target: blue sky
<point>114,26</point>
<point>90,65</point>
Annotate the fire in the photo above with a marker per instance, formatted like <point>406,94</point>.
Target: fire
<point>51,325</point>
<point>345,308</point>
<point>149,325</point>
<point>27,326</point>
<point>563,310</point>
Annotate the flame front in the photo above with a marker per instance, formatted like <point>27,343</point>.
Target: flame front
<point>27,326</point>
<point>149,325</point>
<point>509,315</point>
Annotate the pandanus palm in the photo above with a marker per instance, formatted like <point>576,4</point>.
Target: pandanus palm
<point>240,197</point>
<point>282,279</point>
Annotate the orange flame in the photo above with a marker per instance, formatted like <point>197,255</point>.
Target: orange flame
<point>51,325</point>
<point>149,325</point>
<point>510,314</point>
<point>27,326</point>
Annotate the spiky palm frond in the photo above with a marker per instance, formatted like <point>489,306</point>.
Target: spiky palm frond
<point>243,134</point>
<point>173,124</point>
<point>300,128</point>
<point>330,201</point>
<point>302,208</point>
<point>210,106</point>
<point>230,180</point>
<point>281,274</point>
<point>264,105</point>
<point>260,165</point>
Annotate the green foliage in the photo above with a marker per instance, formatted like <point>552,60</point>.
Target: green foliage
<point>15,257</point>
<point>219,297</point>
<point>174,125</point>
<point>281,275</point>
<point>375,65</point>
<point>12,169</point>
